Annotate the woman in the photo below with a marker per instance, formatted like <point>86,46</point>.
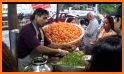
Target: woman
<point>107,55</point>
<point>107,29</point>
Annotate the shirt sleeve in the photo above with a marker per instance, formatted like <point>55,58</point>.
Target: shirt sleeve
<point>30,40</point>
<point>91,28</point>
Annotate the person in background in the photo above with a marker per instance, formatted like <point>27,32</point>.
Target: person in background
<point>107,29</point>
<point>32,42</point>
<point>101,20</point>
<point>83,24</point>
<point>107,55</point>
<point>71,20</point>
<point>90,33</point>
<point>118,21</point>
<point>91,30</point>
<point>9,63</point>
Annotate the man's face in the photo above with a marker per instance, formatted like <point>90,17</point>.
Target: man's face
<point>117,23</point>
<point>88,17</point>
<point>42,20</point>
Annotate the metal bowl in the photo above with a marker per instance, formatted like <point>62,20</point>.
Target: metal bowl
<point>61,68</point>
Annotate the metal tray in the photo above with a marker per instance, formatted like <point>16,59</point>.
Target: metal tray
<point>61,68</point>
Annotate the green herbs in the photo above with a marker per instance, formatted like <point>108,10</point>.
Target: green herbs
<point>73,59</point>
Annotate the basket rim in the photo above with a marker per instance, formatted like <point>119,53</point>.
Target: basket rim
<point>82,34</point>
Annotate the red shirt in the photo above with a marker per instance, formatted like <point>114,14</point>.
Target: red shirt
<point>28,41</point>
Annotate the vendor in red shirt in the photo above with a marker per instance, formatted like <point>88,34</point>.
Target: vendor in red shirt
<point>31,39</point>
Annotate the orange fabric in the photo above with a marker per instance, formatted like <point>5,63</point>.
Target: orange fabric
<point>103,33</point>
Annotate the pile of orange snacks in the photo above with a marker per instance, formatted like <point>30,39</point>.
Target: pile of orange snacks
<point>62,32</point>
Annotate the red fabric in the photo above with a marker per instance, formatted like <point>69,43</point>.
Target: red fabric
<point>44,6</point>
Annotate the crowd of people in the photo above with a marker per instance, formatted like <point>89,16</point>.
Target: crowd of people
<point>104,43</point>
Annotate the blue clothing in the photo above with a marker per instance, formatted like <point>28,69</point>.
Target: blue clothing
<point>89,36</point>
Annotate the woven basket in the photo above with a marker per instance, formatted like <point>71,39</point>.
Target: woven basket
<point>72,43</point>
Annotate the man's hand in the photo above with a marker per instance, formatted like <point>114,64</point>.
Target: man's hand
<point>68,47</point>
<point>63,52</point>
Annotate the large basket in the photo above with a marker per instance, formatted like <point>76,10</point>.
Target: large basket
<point>74,42</point>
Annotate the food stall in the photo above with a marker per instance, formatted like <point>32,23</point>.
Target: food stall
<point>61,35</point>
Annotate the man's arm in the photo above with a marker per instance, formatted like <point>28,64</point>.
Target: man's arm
<point>92,27</point>
<point>47,50</point>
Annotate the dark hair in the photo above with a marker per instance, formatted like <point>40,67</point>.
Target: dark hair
<point>9,63</point>
<point>70,19</point>
<point>39,12</point>
<point>119,12</point>
<point>82,21</point>
<point>111,21</point>
<point>107,55</point>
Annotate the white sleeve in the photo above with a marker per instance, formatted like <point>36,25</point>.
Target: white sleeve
<point>91,28</point>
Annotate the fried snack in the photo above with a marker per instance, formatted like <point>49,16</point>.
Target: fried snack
<point>61,32</point>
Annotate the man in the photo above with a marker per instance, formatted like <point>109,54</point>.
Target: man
<point>32,41</point>
<point>91,31</point>
<point>118,21</point>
